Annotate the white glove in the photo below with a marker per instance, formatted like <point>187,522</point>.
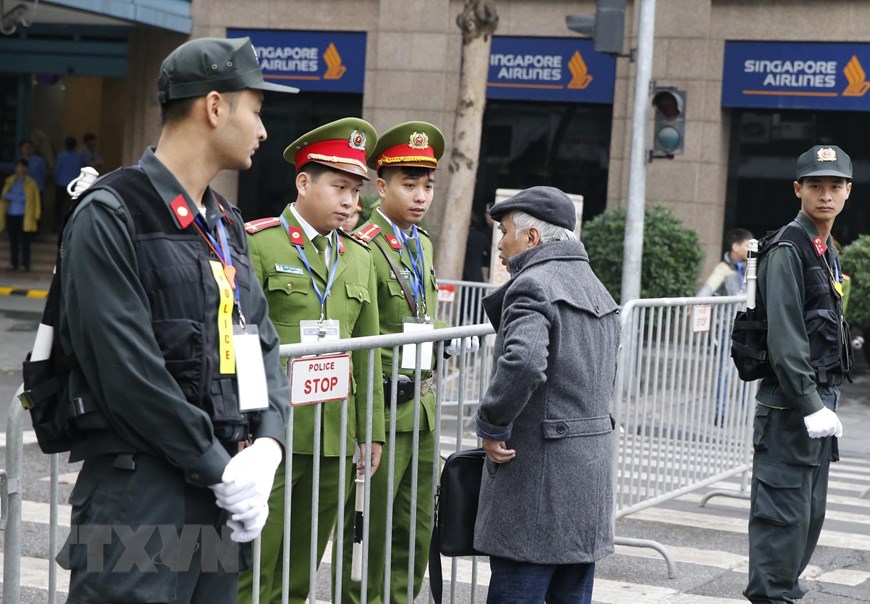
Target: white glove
<point>248,526</point>
<point>472,344</point>
<point>247,479</point>
<point>823,422</point>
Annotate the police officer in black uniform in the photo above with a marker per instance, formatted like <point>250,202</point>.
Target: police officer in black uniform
<point>175,352</point>
<point>796,425</point>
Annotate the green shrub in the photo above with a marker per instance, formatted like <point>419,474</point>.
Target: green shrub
<point>671,253</point>
<point>855,262</point>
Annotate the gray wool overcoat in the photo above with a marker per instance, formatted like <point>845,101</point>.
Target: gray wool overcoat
<point>549,398</point>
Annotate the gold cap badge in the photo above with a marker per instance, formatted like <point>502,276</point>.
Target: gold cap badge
<point>826,154</point>
<point>357,140</point>
<point>419,140</point>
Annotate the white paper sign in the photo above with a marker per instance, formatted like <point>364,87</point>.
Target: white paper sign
<point>319,379</point>
<point>701,315</point>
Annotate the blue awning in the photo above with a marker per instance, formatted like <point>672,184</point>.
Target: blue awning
<point>173,15</point>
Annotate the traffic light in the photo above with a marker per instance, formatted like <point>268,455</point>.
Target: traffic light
<point>670,124</point>
<point>607,27</point>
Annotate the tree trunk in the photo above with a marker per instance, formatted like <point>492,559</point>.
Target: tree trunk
<point>477,21</point>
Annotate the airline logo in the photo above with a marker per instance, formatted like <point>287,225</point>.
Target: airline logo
<point>566,69</point>
<point>334,67</point>
<point>301,62</point>
<point>796,75</point>
<point>313,61</point>
<point>856,77</point>
<point>580,77</point>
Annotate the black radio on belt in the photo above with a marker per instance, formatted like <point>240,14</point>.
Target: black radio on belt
<point>404,388</point>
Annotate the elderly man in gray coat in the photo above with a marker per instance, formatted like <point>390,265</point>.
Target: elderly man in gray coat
<point>546,507</point>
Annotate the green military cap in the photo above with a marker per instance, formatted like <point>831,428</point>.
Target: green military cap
<point>221,64</point>
<point>415,144</point>
<point>341,145</point>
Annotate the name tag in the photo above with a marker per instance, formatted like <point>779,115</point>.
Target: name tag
<point>290,270</point>
<point>409,351</point>
<point>250,373</point>
<point>319,331</point>
<point>406,275</point>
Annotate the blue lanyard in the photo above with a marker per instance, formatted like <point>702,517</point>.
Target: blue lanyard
<point>418,266</point>
<point>223,252</point>
<point>332,271</point>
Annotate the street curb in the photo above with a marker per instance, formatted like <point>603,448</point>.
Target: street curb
<point>25,293</point>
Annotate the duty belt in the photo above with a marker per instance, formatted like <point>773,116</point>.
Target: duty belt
<point>405,388</point>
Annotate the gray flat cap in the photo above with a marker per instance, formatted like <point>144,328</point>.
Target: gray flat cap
<point>544,203</point>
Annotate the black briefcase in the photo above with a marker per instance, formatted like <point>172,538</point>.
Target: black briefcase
<point>455,512</point>
<point>456,508</point>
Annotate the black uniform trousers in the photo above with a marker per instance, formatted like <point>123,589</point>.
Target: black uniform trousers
<point>139,533</point>
<point>789,491</point>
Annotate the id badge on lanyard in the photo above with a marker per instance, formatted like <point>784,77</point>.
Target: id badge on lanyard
<point>312,331</point>
<point>238,345</point>
<point>409,351</point>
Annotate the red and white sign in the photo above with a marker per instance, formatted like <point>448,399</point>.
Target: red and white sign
<point>319,379</point>
<point>446,293</point>
<point>701,315</point>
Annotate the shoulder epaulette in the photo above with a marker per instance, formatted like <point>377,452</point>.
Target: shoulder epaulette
<point>352,237</point>
<point>255,226</point>
<point>367,233</point>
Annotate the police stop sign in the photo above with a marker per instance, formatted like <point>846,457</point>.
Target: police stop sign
<point>319,379</point>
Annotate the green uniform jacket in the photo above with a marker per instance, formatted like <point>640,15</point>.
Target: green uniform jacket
<point>292,299</point>
<point>394,308</point>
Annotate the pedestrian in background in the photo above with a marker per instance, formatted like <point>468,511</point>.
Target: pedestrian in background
<point>67,168</point>
<point>89,153</point>
<point>20,211</point>
<point>176,361</point>
<point>36,167</point>
<point>349,225</point>
<point>546,499</point>
<point>796,425</point>
<point>726,279</point>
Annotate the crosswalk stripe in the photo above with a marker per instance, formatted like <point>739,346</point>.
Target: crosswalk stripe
<point>830,514</point>
<point>738,525</point>
<point>832,498</point>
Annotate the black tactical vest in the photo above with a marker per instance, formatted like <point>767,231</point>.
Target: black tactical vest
<point>174,270</point>
<point>827,330</point>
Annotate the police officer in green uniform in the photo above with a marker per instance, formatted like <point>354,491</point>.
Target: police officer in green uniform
<point>796,425</point>
<point>405,158</point>
<point>320,284</point>
<point>158,302</point>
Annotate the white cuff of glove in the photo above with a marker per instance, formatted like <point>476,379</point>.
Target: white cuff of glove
<point>247,480</point>
<point>472,344</point>
<point>823,422</point>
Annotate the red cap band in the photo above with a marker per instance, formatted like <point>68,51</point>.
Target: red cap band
<point>336,151</point>
<point>405,154</point>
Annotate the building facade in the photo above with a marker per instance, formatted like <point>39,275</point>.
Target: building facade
<point>763,82</point>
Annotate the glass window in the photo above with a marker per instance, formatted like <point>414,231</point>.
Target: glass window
<point>765,145</point>
<point>269,185</point>
<point>563,145</point>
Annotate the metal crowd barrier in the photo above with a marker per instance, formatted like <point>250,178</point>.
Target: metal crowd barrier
<point>683,416</point>
<point>469,383</point>
<point>670,439</point>
<point>461,302</point>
